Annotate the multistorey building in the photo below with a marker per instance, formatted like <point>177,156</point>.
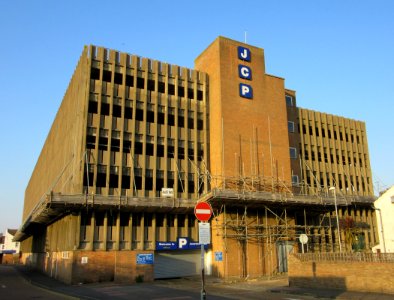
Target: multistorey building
<point>137,142</point>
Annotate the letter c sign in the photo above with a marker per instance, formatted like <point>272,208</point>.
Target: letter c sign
<point>244,72</point>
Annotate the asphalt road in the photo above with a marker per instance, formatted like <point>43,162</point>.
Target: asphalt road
<point>19,282</point>
<point>14,286</point>
<point>22,283</point>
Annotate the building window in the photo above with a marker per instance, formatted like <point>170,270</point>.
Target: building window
<point>293,153</point>
<point>289,100</point>
<point>291,126</point>
<point>294,179</point>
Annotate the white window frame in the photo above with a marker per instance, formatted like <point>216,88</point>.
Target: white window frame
<point>295,152</point>
<point>295,182</point>
<point>289,100</point>
<point>292,129</point>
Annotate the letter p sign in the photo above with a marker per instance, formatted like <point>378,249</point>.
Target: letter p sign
<point>245,91</point>
<point>182,243</point>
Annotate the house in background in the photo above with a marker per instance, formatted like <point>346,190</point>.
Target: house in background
<point>9,250</point>
<point>385,211</point>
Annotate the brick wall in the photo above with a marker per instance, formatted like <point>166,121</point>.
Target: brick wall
<point>73,267</point>
<point>99,266</point>
<point>118,266</point>
<point>10,258</point>
<point>352,275</point>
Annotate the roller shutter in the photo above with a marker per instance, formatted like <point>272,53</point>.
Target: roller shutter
<point>170,264</point>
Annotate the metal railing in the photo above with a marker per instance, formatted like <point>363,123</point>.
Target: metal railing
<point>346,257</point>
<point>289,198</point>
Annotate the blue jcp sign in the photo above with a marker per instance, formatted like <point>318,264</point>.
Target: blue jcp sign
<point>245,72</point>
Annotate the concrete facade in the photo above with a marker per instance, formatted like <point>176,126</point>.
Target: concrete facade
<point>143,141</point>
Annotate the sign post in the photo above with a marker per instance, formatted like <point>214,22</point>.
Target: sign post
<point>303,240</point>
<point>203,212</point>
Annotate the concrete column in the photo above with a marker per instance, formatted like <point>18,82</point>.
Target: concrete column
<point>195,234</point>
<point>365,231</point>
<point>342,230</point>
<point>374,227</point>
<point>77,224</point>
<point>105,231</point>
<point>154,231</point>
<point>331,245</point>
<point>142,232</point>
<point>187,226</point>
<point>358,215</point>
<point>316,244</point>
<point>336,237</point>
<point>323,247</point>
<point>91,232</point>
<point>165,225</point>
<point>117,237</point>
<point>175,226</point>
<point>131,231</point>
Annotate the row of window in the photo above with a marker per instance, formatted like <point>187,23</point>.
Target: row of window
<point>149,116</point>
<point>150,84</point>
<point>335,135</point>
<point>329,158</point>
<point>108,64</point>
<point>340,157</point>
<point>138,148</point>
<point>161,220</point>
<point>136,182</point>
<point>136,219</point>
<point>354,183</point>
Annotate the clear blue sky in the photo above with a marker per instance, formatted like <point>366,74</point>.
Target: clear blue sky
<point>338,55</point>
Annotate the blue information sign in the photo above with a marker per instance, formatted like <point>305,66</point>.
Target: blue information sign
<point>166,246</point>
<point>219,256</point>
<point>145,259</point>
<point>183,243</point>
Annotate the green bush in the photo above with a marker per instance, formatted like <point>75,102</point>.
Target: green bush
<point>139,278</point>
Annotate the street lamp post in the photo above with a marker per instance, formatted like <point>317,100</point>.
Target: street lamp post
<point>336,213</point>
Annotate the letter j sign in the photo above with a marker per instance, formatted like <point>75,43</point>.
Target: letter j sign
<point>243,53</point>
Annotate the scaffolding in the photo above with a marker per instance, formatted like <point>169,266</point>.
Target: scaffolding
<point>273,232</point>
<point>264,213</point>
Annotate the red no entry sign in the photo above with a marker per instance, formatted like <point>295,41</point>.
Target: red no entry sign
<point>203,211</point>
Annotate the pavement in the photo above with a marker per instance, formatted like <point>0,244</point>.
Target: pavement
<point>274,286</point>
